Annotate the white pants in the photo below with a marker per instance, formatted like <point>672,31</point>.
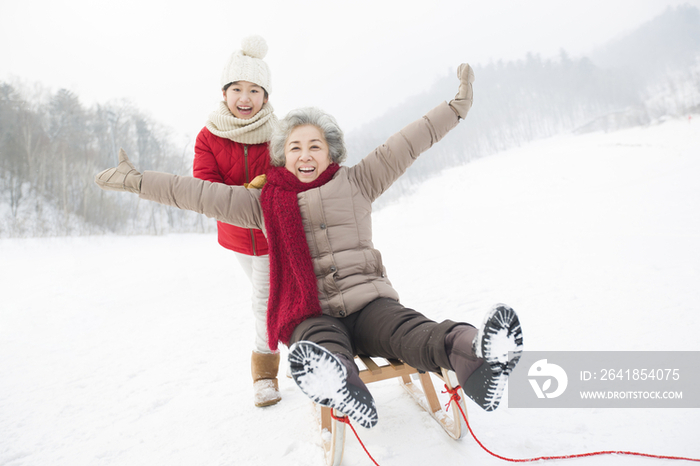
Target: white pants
<point>258,270</point>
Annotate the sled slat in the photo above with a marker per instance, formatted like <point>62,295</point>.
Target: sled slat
<point>375,372</point>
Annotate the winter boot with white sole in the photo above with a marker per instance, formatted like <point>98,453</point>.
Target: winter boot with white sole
<point>483,369</point>
<point>324,378</point>
<point>264,367</point>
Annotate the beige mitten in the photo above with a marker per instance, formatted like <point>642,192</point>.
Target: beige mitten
<point>465,95</point>
<point>122,178</point>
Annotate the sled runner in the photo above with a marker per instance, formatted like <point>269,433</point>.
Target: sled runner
<point>333,431</point>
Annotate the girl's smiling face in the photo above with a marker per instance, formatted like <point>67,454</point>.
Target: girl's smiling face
<point>244,99</point>
<point>306,153</point>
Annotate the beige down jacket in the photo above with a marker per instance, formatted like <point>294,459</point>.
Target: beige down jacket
<point>336,216</point>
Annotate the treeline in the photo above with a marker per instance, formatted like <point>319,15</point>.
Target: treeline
<point>517,102</point>
<point>51,147</point>
<point>514,103</point>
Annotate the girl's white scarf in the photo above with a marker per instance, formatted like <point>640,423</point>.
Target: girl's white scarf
<point>254,130</point>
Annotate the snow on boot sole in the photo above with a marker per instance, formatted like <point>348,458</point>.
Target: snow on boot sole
<point>499,335</point>
<point>323,378</point>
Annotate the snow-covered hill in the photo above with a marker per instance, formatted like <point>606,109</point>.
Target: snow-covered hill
<point>135,350</point>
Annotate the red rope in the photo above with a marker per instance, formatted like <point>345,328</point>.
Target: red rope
<point>454,396</point>
<point>345,420</point>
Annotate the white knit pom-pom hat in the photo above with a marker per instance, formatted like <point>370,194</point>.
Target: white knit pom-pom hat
<point>247,64</point>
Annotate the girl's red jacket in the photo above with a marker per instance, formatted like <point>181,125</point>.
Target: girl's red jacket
<point>221,160</point>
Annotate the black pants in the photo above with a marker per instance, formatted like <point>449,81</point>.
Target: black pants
<point>383,328</point>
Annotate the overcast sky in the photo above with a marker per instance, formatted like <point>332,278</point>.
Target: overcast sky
<point>355,59</point>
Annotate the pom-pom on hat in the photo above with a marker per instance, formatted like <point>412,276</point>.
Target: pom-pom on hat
<point>247,64</point>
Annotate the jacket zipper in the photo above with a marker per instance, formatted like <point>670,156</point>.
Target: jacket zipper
<point>247,180</point>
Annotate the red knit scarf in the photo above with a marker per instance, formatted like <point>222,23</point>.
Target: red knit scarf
<point>293,289</point>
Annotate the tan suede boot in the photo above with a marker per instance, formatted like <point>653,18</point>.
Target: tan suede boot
<point>263,367</point>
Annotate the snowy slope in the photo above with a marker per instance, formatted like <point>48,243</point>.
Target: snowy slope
<point>135,350</point>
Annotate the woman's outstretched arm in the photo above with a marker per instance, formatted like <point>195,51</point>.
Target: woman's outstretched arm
<point>378,170</point>
<point>230,204</point>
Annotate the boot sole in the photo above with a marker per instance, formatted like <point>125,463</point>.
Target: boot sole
<point>323,378</point>
<point>500,343</point>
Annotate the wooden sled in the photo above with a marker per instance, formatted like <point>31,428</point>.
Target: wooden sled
<point>333,431</point>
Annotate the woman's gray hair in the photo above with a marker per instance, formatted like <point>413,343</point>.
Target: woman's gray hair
<point>308,116</point>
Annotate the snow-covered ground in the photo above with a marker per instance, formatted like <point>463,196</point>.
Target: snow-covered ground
<point>135,350</point>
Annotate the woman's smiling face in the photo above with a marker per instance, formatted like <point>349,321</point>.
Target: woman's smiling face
<point>306,153</point>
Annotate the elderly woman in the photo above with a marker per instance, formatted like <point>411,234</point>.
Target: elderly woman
<point>330,298</point>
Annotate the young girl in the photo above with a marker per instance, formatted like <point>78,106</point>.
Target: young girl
<point>330,297</point>
<point>233,149</point>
